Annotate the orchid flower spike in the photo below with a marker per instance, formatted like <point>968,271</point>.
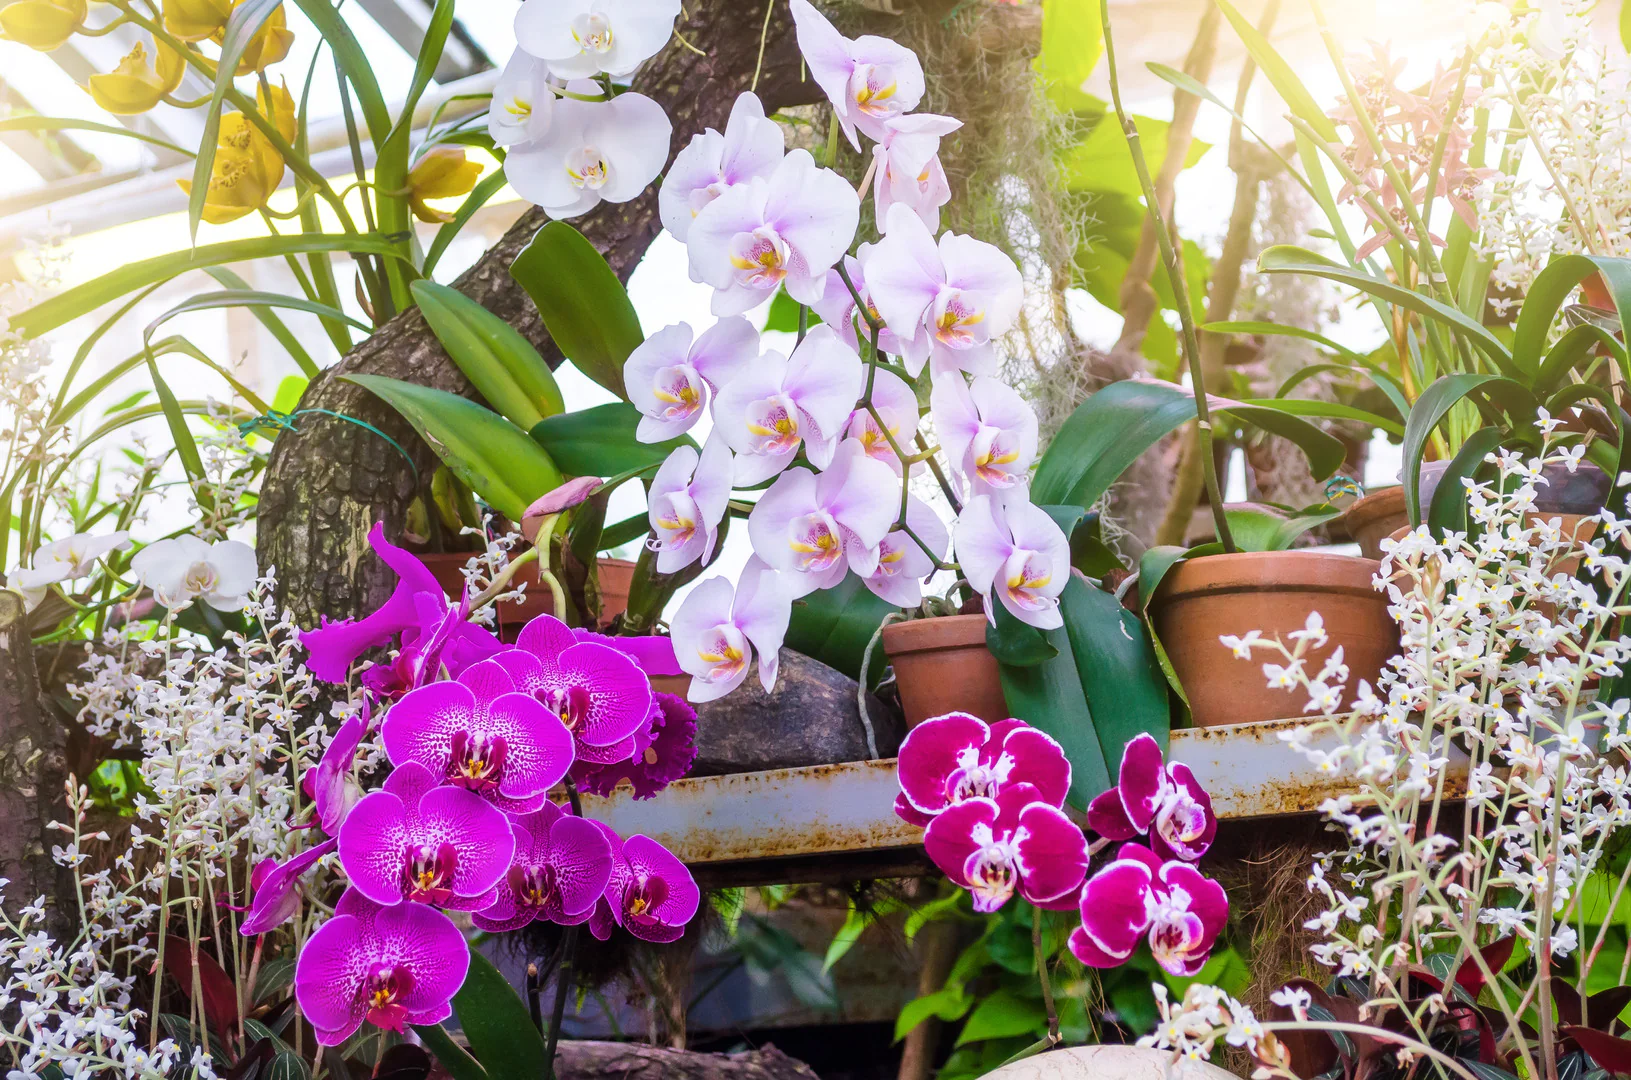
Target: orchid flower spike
<point>561,867</point>
<point>1165,801</point>
<point>784,230</point>
<point>868,79</point>
<point>902,563</point>
<point>947,301</point>
<point>582,38</point>
<point>896,403</point>
<point>686,503</point>
<point>711,164</point>
<point>908,169</point>
<point>593,151</point>
<point>670,378</point>
<point>523,101</point>
<point>777,405</point>
<point>717,630</point>
<point>988,431</point>
<point>1017,554</point>
<point>948,759</point>
<point>391,966</point>
<point>1014,842</point>
<point>185,568</point>
<point>1138,896</point>
<point>816,528</point>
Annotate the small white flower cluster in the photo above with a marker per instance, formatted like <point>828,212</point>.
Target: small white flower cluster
<point>1503,649</point>
<point>1191,1027</point>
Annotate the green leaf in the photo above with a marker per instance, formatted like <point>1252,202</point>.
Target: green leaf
<point>1050,696</point>
<point>186,446</point>
<point>493,457</point>
<point>450,1055</point>
<point>1121,677</point>
<point>1263,527</point>
<point>783,314</point>
<point>354,62</point>
<point>601,441</point>
<point>485,189</point>
<point>1550,288</point>
<point>1328,410</point>
<point>1102,163</point>
<point>1625,25</point>
<point>622,532</point>
<point>256,301</point>
<point>1017,643</point>
<point>270,319</point>
<point>834,625</point>
<point>584,306</point>
<point>1003,1015</point>
<point>61,123</point>
<point>493,355</point>
<point>241,27</point>
<point>1072,42</point>
<point>287,1065</point>
<point>1448,511</point>
<point>1434,402</point>
<point>1278,330</point>
<point>1279,74</point>
<point>71,303</point>
<point>496,1023</point>
<point>948,1003</point>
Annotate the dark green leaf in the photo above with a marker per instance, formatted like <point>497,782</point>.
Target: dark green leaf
<point>1448,512</point>
<point>186,446</point>
<point>1014,642</point>
<point>583,304</point>
<point>834,625</point>
<point>450,1055</point>
<point>1125,688</point>
<point>1431,407</point>
<point>601,441</point>
<point>1003,1015</point>
<point>1551,287</point>
<point>493,355</point>
<point>1050,696</point>
<point>287,1065</point>
<point>622,532</point>
<point>496,1023</point>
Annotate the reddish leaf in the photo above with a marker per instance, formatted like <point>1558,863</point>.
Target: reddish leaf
<point>1570,1010</point>
<point>1312,1052</point>
<point>220,997</point>
<point>1495,955</point>
<point>1603,1008</point>
<point>1607,1051</point>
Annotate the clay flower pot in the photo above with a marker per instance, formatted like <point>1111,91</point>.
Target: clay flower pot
<point>1376,517</point>
<point>1108,1063</point>
<point>1202,599</point>
<point>615,577</point>
<point>942,665</point>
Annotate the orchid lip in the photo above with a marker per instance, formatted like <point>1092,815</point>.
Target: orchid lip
<point>383,992</point>
<point>774,423</point>
<point>430,872</point>
<point>477,760</point>
<point>760,258</point>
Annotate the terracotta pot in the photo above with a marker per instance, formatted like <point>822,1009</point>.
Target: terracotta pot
<point>615,577</point>
<point>942,665</point>
<point>1203,599</point>
<point>1374,518</point>
<point>1108,1063</point>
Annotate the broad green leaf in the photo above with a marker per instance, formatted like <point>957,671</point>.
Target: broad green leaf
<point>600,441</point>
<point>1431,407</point>
<point>1448,511</point>
<point>1126,690</point>
<point>1050,696</point>
<point>492,456</point>
<point>1262,527</point>
<point>1002,1015</point>
<point>1576,349</point>
<point>1102,163</point>
<point>1550,288</point>
<point>493,355</point>
<point>1279,74</point>
<point>783,314</point>
<point>834,626</point>
<point>584,306</point>
<point>449,1054</point>
<point>1014,642</point>
<point>1072,42</point>
<point>240,29</point>
<point>948,1003</point>
<point>496,1023</point>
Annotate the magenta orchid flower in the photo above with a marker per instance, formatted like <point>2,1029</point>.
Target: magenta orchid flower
<point>598,694</point>
<point>663,755</point>
<point>561,866</point>
<point>987,430</point>
<point>711,164</point>
<point>413,840</point>
<point>653,654</point>
<point>481,732</point>
<point>720,631</point>
<point>948,759</point>
<point>1017,554</point>
<point>817,527</point>
<point>908,169</point>
<point>784,230</point>
<point>277,896</point>
<point>391,966</point>
<point>1138,896</point>
<point>651,894</point>
<point>868,79</point>
<point>670,378</point>
<point>686,503</point>
<point>1013,842</point>
<point>838,310</point>
<point>896,403</point>
<point>335,646</point>
<point>902,563</point>
<point>962,293</point>
<point>329,784</point>
<point>1165,801</point>
<point>777,405</point>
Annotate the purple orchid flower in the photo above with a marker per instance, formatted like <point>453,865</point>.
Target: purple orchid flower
<point>413,840</point>
<point>947,759</point>
<point>277,896</point>
<point>329,783</point>
<point>598,693</point>
<point>559,873</point>
<point>1013,842</point>
<point>654,654</point>
<point>651,894</point>
<point>1138,896</point>
<point>663,753</point>
<point>1164,801</point>
<point>390,966</point>
<point>480,732</point>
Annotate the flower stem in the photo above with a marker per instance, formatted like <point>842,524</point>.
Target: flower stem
<point>1042,976</point>
<point>563,970</point>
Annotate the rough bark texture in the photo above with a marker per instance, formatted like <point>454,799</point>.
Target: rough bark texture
<point>32,773</point>
<point>587,1060</point>
<point>326,486</point>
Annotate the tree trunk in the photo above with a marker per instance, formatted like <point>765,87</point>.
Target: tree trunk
<point>587,1060</point>
<point>328,484</point>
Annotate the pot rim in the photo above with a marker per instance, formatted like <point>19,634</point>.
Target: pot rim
<point>1268,571</point>
<point>929,635</point>
<point>1373,506</point>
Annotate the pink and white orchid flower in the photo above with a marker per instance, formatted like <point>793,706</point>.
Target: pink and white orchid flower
<point>896,403</point>
<point>908,169</point>
<point>711,164</point>
<point>776,405</point>
<point>523,101</point>
<point>838,310</point>
<point>948,759</point>
<point>962,292</point>
<point>902,563</point>
<point>815,528</point>
<point>593,151</point>
<point>582,38</point>
<point>987,430</point>
<point>785,230</point>
<point>670,378</point>
<point>1016,553</point>
<point>1138,896</point>
<point>1013,842</point>
<point>686,503</point>
<point>719,632</point>
<point>868,79</point>
<point>1165,801</point>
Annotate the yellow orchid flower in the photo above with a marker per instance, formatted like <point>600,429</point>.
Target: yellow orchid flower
<point>441,173</point>
<point>42,24</point>
<point>269,45</point>
<point>136,85</point>
<point>247,167</point>
<point>195,20</point>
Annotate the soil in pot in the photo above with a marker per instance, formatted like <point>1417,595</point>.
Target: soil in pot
<point>615,577</point>
<point>942,665</point>
<point>1274,592</point>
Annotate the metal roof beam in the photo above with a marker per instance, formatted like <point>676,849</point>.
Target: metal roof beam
<point>405,21</point>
